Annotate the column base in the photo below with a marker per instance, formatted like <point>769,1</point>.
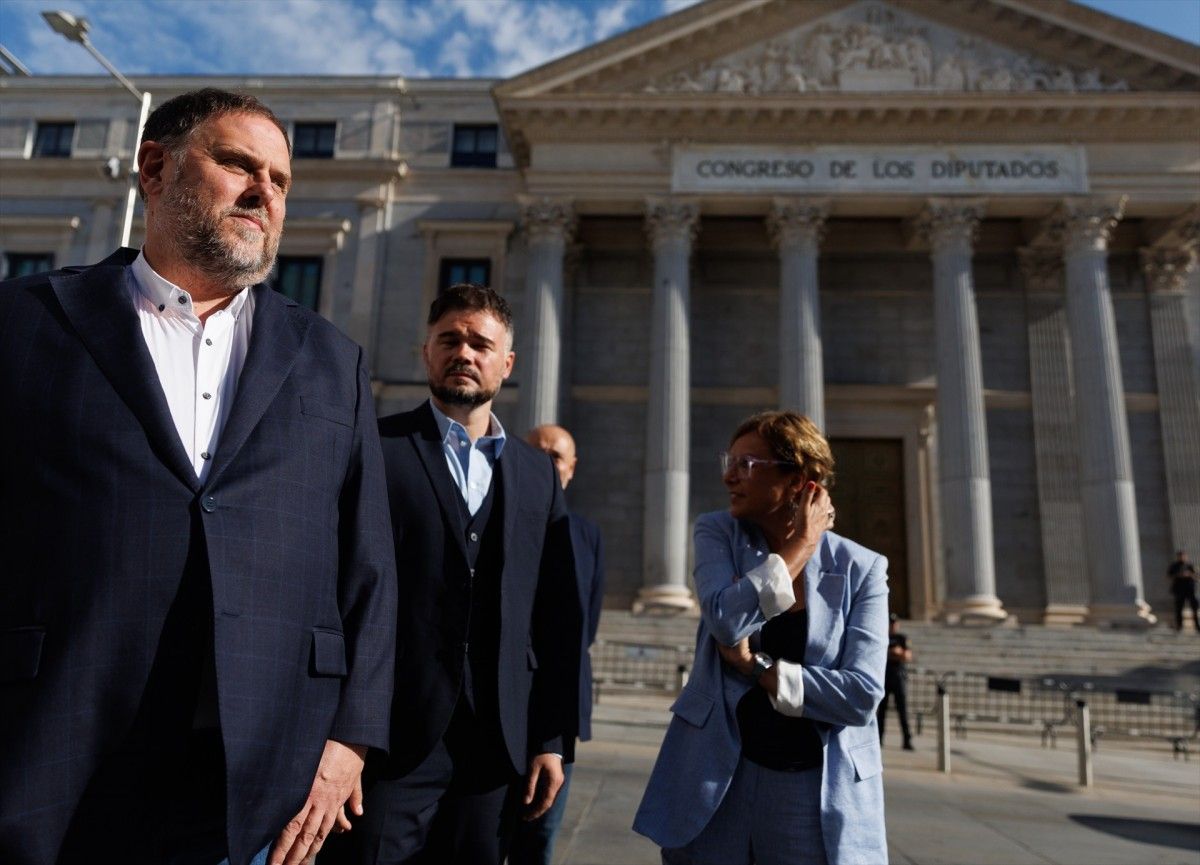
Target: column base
<point>1136,616</point>
<point>978,611</point>
<point>665,600</point>
<point>1065,614</point>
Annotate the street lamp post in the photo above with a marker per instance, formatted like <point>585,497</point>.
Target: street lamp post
<point>75,30</point>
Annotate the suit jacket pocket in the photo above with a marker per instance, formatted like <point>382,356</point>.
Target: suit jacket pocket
<point>328,653</point>
<point>693,707</point>
<point>867,760</point>
<point>314,407</point>
<point>21,653</point>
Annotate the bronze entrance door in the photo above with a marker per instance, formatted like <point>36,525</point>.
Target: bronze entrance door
<point>868,493</point>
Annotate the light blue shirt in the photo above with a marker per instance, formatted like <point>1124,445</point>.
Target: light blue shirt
<point>470,462</point>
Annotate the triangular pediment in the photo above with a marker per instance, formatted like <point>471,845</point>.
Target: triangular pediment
<point>774,47</point>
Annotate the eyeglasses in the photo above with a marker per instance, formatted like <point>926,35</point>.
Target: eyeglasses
<point>744,465</point>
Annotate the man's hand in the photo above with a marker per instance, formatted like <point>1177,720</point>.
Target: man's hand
<point>738,656</point>
<point>546,774</point>
<point>338,780</point>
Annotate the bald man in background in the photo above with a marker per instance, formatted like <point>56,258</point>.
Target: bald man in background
<point>533,843</point>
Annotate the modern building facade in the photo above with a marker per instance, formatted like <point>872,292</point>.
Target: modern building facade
<point>962,236</point>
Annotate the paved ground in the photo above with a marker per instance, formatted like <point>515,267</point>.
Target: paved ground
<point>1007,801</point>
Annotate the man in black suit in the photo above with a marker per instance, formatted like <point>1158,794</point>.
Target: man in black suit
<point>197,613</point>
<point>487,655</point>
<point>533,843</point>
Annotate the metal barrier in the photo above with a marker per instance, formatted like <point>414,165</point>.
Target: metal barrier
<point>1172,717</point>
<point>621,665</point>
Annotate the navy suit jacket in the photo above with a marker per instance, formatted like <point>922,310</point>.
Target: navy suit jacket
<point>540,620</point>
<point>101,514</point>
<point>589,575</point>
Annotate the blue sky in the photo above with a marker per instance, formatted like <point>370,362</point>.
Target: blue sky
<point>414,38</point>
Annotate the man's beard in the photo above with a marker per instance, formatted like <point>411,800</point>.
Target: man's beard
<point>461,395</point>
<point>196,232</point>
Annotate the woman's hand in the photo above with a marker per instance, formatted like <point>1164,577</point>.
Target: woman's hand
<point>812,517</point>
<point>738,656</point>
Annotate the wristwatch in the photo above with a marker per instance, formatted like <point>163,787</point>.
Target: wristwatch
<point>762,663</point>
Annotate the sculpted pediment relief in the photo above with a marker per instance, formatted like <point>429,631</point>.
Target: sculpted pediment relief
<point>874,47</point>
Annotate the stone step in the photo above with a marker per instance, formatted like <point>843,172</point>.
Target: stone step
<point>1027,650</point>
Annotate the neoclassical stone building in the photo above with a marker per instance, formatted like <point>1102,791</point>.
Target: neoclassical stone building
<point>962,236</point>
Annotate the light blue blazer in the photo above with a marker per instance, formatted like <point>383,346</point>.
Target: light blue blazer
<point>845,588</point>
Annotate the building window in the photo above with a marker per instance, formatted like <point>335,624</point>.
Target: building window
<point>53,139</point>
<point>455,270</point>
<point>27,263</point>
<point>299,277</point>
<point>313,140</point>
<point>475,145</point>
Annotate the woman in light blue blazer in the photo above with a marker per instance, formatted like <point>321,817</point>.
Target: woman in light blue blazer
<point>774,758</point>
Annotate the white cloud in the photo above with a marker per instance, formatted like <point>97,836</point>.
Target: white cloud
<point>456,56</point>
<point>612,18</point>
<point>670,6</point>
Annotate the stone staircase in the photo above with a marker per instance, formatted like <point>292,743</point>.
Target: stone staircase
<point>1156,659</point>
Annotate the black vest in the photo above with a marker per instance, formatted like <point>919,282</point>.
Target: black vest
<point>484,542</point>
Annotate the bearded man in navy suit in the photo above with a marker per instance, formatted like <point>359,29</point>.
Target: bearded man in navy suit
<point>197,615</point>
<point>487,655</point>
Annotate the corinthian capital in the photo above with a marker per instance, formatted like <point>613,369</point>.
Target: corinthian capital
<point>544,219</point>
<point>1086,224</point>
<point>671,220</point>
<point>793,221</point>
<point>1041,268</point>
<point>1166,268</point>
<point>950,224</point>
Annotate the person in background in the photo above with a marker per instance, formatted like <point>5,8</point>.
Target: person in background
<point>533,843</point>
<point>1182,574</point>
<point>895,680</point>
<point>772,756</point>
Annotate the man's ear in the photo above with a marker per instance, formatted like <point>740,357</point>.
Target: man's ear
<point>152,163</point>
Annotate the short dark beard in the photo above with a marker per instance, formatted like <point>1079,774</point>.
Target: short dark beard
<point>461,395</point>
<point>196,232</point>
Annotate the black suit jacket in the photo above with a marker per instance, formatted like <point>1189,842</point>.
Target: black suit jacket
<point>589,573</point>
<point>101,513</point>
<point>540,620</point>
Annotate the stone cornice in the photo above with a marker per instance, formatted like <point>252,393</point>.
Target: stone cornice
<point>885,118</point>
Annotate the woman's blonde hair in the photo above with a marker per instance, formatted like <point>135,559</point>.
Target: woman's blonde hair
<point>792,438</point>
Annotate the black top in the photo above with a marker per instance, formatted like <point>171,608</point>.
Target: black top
<point>895,666</point>
<point>770,739</point>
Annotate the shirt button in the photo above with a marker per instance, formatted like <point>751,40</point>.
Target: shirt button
<point>182,299</point>
<point>206,456</point>
<point>208,342</point>
<point>209,504</point>
<point>206,395</point>
<point>161,307</point>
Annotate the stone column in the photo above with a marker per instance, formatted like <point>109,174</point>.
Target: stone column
<point>672,225</point>
<point>964,482</point>
<point>101,237</point>
<point>370,228</point>
<point>1167,271</point>
<point>1109,510</point>
<point>548,225</point>
<point>1055,436</point>
<point>796,226</point>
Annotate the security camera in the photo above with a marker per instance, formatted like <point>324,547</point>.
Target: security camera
<point>111,168</point>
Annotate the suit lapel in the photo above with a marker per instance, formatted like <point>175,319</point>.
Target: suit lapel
<point>824,589</point>
<point>510,485</point>
<point>276,336</point>
<point>428,444</point>
<point>97,302</point>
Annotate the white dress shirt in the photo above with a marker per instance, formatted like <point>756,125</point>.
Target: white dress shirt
<point>198,363</point>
